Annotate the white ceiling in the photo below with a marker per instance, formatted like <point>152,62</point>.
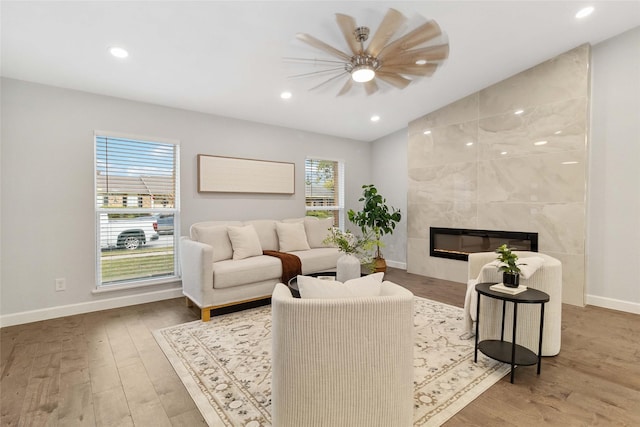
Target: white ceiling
<point>225,58</point>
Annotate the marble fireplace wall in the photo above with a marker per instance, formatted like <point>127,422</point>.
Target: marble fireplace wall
<point>482,164</point>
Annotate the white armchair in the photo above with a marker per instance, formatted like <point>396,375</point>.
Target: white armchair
<point>343,362</point>
<point>547,278</point>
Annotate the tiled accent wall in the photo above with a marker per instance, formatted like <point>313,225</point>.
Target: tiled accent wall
<point>478,166</point>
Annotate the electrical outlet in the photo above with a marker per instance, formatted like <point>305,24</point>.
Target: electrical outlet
<point>61,285</point>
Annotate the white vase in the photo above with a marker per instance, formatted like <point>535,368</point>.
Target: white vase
<point>348,268</point>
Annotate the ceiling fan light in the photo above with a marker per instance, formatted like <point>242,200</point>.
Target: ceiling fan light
<point>362,73</point>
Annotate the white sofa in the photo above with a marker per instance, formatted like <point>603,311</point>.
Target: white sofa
<point>222,263</point>
<point>343,361</point>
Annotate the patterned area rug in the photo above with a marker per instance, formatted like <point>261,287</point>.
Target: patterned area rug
<point>225,365</point>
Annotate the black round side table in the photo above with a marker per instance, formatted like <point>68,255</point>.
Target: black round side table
<point>505,351</point>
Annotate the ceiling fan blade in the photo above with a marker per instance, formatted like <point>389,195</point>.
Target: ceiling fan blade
<point>395,80</point>
<point>390,24</point>
<point>314,61</point>
<point>329,80</point>
<point>347,87</point>
<point>371,87</point>
<point>316,73</point>
<point>310,40</point>
<point>421,34</point>
<point>410,69</point>
<point>431,53</point>
<point>348,27</point>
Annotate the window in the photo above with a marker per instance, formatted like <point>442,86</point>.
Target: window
<point>324,189</point>
<point>137,210</point>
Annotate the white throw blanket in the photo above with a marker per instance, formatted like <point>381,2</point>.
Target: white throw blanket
<point>490,273</point>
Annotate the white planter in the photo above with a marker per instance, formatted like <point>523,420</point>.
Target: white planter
<point>348,268</point>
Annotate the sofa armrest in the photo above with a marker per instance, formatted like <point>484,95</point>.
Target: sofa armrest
<point>196,262</point>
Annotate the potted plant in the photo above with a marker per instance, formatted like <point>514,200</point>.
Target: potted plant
<point>375,218</point>
<point>509,268</point>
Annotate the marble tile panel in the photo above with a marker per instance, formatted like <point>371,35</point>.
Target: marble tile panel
<point>460,111</point>
<point>417,252</point>
<point>446,183</point>
<point>562,125</point>
<point>543,178</point>
<point>447,144</point>
<point>560,226</point>
<point>422,216</point>
<point>563,77</point>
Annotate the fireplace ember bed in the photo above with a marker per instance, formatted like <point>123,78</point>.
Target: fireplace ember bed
<point>458,243</point>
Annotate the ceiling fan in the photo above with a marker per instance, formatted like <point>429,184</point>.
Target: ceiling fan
<point>382,59</point>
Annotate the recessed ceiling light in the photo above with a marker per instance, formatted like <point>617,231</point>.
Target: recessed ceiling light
<point>469,144</point>
<point>518,112</point>
<point>118,52</point>
<point>285,95</point>
<point>375,118</point>
<point>427,132</point>
<point>558,132</point>
<point>503,153</point>
<point>540,143</point>
<point>571,162</point>
<point>421,61</point>
<point>584,12</point>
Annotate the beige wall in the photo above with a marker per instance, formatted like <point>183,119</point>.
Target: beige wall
<point>528,188</point>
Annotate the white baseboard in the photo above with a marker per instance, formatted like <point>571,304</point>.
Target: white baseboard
<point>87,307</point>
<point>396,264</point>
<point>614,304</point>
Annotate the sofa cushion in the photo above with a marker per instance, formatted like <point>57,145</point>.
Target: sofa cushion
<point>318,259</point>
<point>292,237</point>
<point>367,286</point>
<point>217,237</point>
<point>244,241</point>
<point>300,219</point>
<point>266,229</point>
<point>230,273</point>
<point>317,230</point>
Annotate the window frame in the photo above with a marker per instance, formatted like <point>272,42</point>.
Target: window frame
<point>100,209</point>
<point>340,208</point>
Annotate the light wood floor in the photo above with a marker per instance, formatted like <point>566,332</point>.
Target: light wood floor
<point>105,369</point>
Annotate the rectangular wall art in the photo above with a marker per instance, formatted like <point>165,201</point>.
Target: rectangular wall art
<point>236,175</point>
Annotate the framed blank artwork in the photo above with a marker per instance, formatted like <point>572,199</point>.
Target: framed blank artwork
<point>236,175</point>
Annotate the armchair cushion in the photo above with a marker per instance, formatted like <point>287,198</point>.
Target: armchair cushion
<point>366,286</point>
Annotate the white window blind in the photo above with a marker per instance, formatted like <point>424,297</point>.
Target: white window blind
<point>324,189</point>
<point>137,209</point>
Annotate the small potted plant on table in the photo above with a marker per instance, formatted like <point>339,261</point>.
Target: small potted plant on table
<point>509,268</point>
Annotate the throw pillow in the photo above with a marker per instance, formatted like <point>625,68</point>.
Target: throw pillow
<point>317,230</point>
<point>217,237</point>
<point>292,237</point>
<point>366,286</point>
<point>244,241</point>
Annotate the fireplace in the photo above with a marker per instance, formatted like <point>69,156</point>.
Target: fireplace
<point>458,243</point>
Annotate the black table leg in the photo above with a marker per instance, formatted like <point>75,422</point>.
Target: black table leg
<point>540,343</point>
<point>513,341</point>
<point>475,354</point>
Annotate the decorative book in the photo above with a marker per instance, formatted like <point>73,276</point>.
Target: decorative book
<point>500,287</point>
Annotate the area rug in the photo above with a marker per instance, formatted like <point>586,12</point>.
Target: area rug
<point>225,364</point>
